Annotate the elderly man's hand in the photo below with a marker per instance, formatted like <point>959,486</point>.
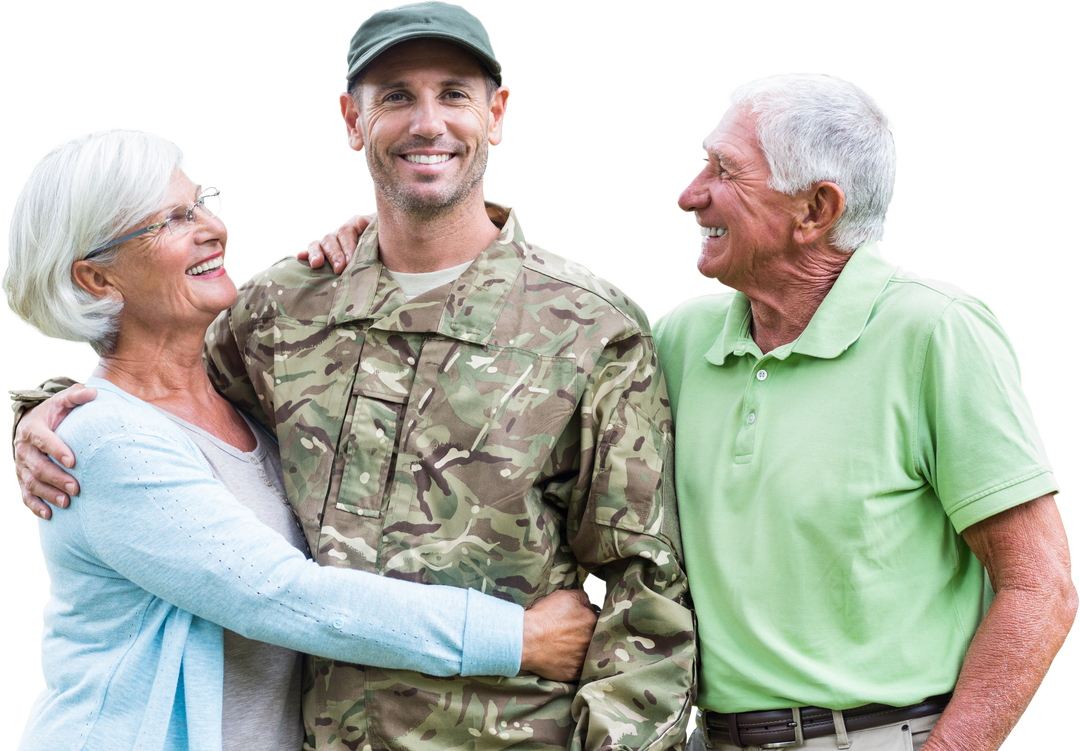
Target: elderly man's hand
<point>558,631</point>
<point>338,246</point>
<point>36,441</point>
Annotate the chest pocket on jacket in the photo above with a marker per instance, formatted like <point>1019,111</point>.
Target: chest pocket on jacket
<point>368,447</point>
<point>376,409</point>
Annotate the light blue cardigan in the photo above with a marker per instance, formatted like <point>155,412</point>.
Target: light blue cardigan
<point>155,556</point>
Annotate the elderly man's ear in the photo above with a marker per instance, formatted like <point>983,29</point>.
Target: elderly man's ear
<point>823,207</point>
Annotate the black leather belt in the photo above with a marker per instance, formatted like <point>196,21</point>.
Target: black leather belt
<point>782,727</point>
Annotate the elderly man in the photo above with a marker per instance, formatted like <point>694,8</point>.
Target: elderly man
<point>462,407</point>
<point>857,461</point>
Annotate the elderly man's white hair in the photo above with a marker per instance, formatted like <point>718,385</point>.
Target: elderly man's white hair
<point>813,128</point>
<point>83,194</point>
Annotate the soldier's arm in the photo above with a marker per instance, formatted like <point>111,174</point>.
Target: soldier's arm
<point>38,412</point>
<point>233,361</point>
<point>34,441</point>
<point>638,683</point>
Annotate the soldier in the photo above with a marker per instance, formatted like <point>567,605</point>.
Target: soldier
<point>462,407</point>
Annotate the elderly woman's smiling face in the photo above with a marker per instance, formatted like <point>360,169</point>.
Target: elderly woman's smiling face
<point>169,280</point>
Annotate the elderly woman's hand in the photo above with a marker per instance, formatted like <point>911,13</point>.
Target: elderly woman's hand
<point>338,246</point>
<point>36,441</point>
<point>558,631</point>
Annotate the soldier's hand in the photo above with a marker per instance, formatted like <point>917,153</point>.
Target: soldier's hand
<point>558,631</point>
<point>35,442</point>
<point>338,246</point>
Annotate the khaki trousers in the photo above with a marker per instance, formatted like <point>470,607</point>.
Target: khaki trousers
<point>907,735</point>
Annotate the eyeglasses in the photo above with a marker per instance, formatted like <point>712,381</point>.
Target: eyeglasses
<point>176,222</point>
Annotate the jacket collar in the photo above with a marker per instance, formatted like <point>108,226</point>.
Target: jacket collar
<point>468,311</point>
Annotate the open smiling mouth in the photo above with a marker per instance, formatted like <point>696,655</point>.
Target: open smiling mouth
<point>713,231</point>
<point>206,266</point>
<point>427,158</point>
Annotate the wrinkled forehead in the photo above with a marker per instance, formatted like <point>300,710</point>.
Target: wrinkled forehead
<point>710,135</point>
<point>724,123</point>
<point>186,185</point>
<point>181,191</point>
<point>734,139</point>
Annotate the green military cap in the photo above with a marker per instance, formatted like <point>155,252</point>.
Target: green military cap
<point>421,21</point>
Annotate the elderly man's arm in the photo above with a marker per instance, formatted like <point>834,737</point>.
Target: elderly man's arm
<point>1026,556</point>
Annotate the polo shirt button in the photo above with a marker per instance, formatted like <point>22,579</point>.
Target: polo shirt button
<point>750,418</point>
<point>762,375</point>
<point>339,623</point>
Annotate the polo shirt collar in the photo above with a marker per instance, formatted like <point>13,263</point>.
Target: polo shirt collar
<point>835,326</point>
<point>735,336</point>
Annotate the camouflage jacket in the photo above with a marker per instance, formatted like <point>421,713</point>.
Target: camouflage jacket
<point>508,432</point>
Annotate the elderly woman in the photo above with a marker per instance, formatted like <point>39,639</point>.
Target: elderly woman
<point>181,589</point>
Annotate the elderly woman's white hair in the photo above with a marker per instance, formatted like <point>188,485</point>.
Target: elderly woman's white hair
<point>815,128</point>
<point>83,194</point>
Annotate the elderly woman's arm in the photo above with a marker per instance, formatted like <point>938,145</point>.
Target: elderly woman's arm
<point>152,512</point>
<point>212,568</point>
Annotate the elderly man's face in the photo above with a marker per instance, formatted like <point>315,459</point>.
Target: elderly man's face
<point>746,225</point>
<point>426,121</point>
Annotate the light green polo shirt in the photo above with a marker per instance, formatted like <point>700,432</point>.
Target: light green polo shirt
<point>822,487</point>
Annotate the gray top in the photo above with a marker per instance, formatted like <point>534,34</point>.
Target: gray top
<point>261,691</point>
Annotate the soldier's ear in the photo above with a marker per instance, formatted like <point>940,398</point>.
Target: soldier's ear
<point>496,112</point>
<point>351,113</point>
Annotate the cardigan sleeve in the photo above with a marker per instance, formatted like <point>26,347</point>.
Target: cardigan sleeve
<point>152,511</point>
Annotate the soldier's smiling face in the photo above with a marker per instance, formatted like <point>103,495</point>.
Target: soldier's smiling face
<point>426,119</point>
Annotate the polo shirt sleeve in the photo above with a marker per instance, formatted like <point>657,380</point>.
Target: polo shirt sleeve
<point>977,444</point>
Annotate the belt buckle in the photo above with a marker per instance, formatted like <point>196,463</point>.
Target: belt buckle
<point>796,715</point>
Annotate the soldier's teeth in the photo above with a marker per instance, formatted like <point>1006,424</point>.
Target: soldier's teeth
<point>713,231</point>
<point>210,265</point>
<point>426,159</point>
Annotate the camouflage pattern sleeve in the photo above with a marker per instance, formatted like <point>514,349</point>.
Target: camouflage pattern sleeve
<point>231,368</point>
<point>24,400</point>
<point>638,684</point>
